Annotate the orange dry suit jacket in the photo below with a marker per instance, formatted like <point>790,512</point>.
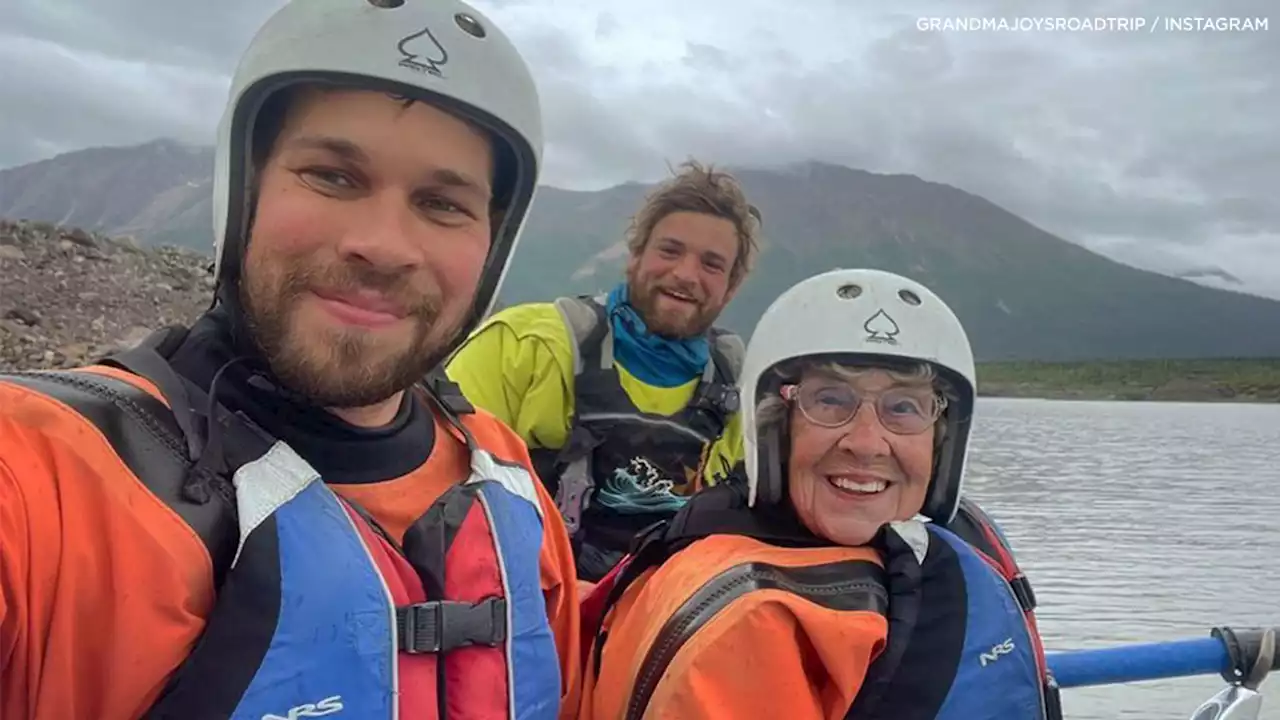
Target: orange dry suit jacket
<point>761,619</point>
<point>105,590</point>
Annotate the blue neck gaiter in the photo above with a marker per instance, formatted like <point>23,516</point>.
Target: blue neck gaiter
<point>654,360</point>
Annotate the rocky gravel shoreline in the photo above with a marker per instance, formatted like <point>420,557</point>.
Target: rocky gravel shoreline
<point>69,296</point>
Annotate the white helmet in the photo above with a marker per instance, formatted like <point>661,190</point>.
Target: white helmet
<point>443,52</point>
<point>866,315</point>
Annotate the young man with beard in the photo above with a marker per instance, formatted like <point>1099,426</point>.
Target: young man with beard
<point>285,510</point>
<point>628,400</point>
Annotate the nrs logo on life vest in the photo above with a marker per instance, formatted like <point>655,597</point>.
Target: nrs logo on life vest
<point>1003,648</point>
<point>327,706</point>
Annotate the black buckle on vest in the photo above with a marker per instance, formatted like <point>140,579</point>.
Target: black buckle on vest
<point>439,626</point>
<point>1022,590</point>
<point>728,398</point>
<point>718,398</point>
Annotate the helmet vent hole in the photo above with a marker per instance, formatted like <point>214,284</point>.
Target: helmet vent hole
<point>909,297</point>
<point>386,4</point>
<point>470,25</point>
<point>849,292</point>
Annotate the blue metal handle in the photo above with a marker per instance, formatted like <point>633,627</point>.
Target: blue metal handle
<point>1134,663</point>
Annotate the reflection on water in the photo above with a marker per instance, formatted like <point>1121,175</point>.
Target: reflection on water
<point>1137,522</point>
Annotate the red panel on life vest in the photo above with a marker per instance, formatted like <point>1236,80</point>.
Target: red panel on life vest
<point>475,677</point>
<point>591,605</point>
<point>418,688</point>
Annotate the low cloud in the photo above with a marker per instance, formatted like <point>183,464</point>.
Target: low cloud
<point>1157,145</point>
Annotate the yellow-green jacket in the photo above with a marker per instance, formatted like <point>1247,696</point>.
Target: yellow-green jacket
<point>534,365</point>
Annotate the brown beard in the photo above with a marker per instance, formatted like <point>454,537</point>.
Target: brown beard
<point>645,300</point>
<point>343,368</point>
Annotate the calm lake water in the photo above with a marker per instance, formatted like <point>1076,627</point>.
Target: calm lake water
<point>1137,522</point>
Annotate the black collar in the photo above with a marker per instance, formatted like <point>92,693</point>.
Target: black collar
<point>341,452</point>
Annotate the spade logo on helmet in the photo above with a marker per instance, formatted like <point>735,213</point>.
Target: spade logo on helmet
<point>423,53</point>
<point>881,328</point>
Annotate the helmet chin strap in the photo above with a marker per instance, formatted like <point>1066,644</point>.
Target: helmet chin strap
<point>242,343</point>
<point>771,465</point>
<point>948,451</point>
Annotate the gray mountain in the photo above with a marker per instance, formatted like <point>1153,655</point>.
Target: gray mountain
<point>1023,293</point>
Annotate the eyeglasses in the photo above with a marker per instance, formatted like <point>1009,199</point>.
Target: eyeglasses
<point>831,403</point>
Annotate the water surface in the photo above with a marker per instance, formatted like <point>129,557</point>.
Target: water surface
<point>1137,522</point>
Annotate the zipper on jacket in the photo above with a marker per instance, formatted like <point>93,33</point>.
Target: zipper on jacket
<point>643,420</point>
<point>95,386</point>
<point>852,585</point>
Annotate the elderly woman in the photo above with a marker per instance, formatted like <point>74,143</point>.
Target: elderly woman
<point>823,583</point>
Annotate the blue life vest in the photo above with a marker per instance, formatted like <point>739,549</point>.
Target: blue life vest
<point>961,646</point>
<point>304,624</point>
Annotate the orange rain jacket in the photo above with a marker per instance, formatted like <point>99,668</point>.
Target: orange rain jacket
<point>104,590</point>
<point>711,635</point>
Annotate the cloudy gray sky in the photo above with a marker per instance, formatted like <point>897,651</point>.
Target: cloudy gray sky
<point>1156,146</point>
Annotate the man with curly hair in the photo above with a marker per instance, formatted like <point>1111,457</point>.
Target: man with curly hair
<point>627,400</point>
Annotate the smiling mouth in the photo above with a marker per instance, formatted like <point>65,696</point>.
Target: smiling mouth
<point>865,486</point>
<point>679,296</point>
<point>361,309</point>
